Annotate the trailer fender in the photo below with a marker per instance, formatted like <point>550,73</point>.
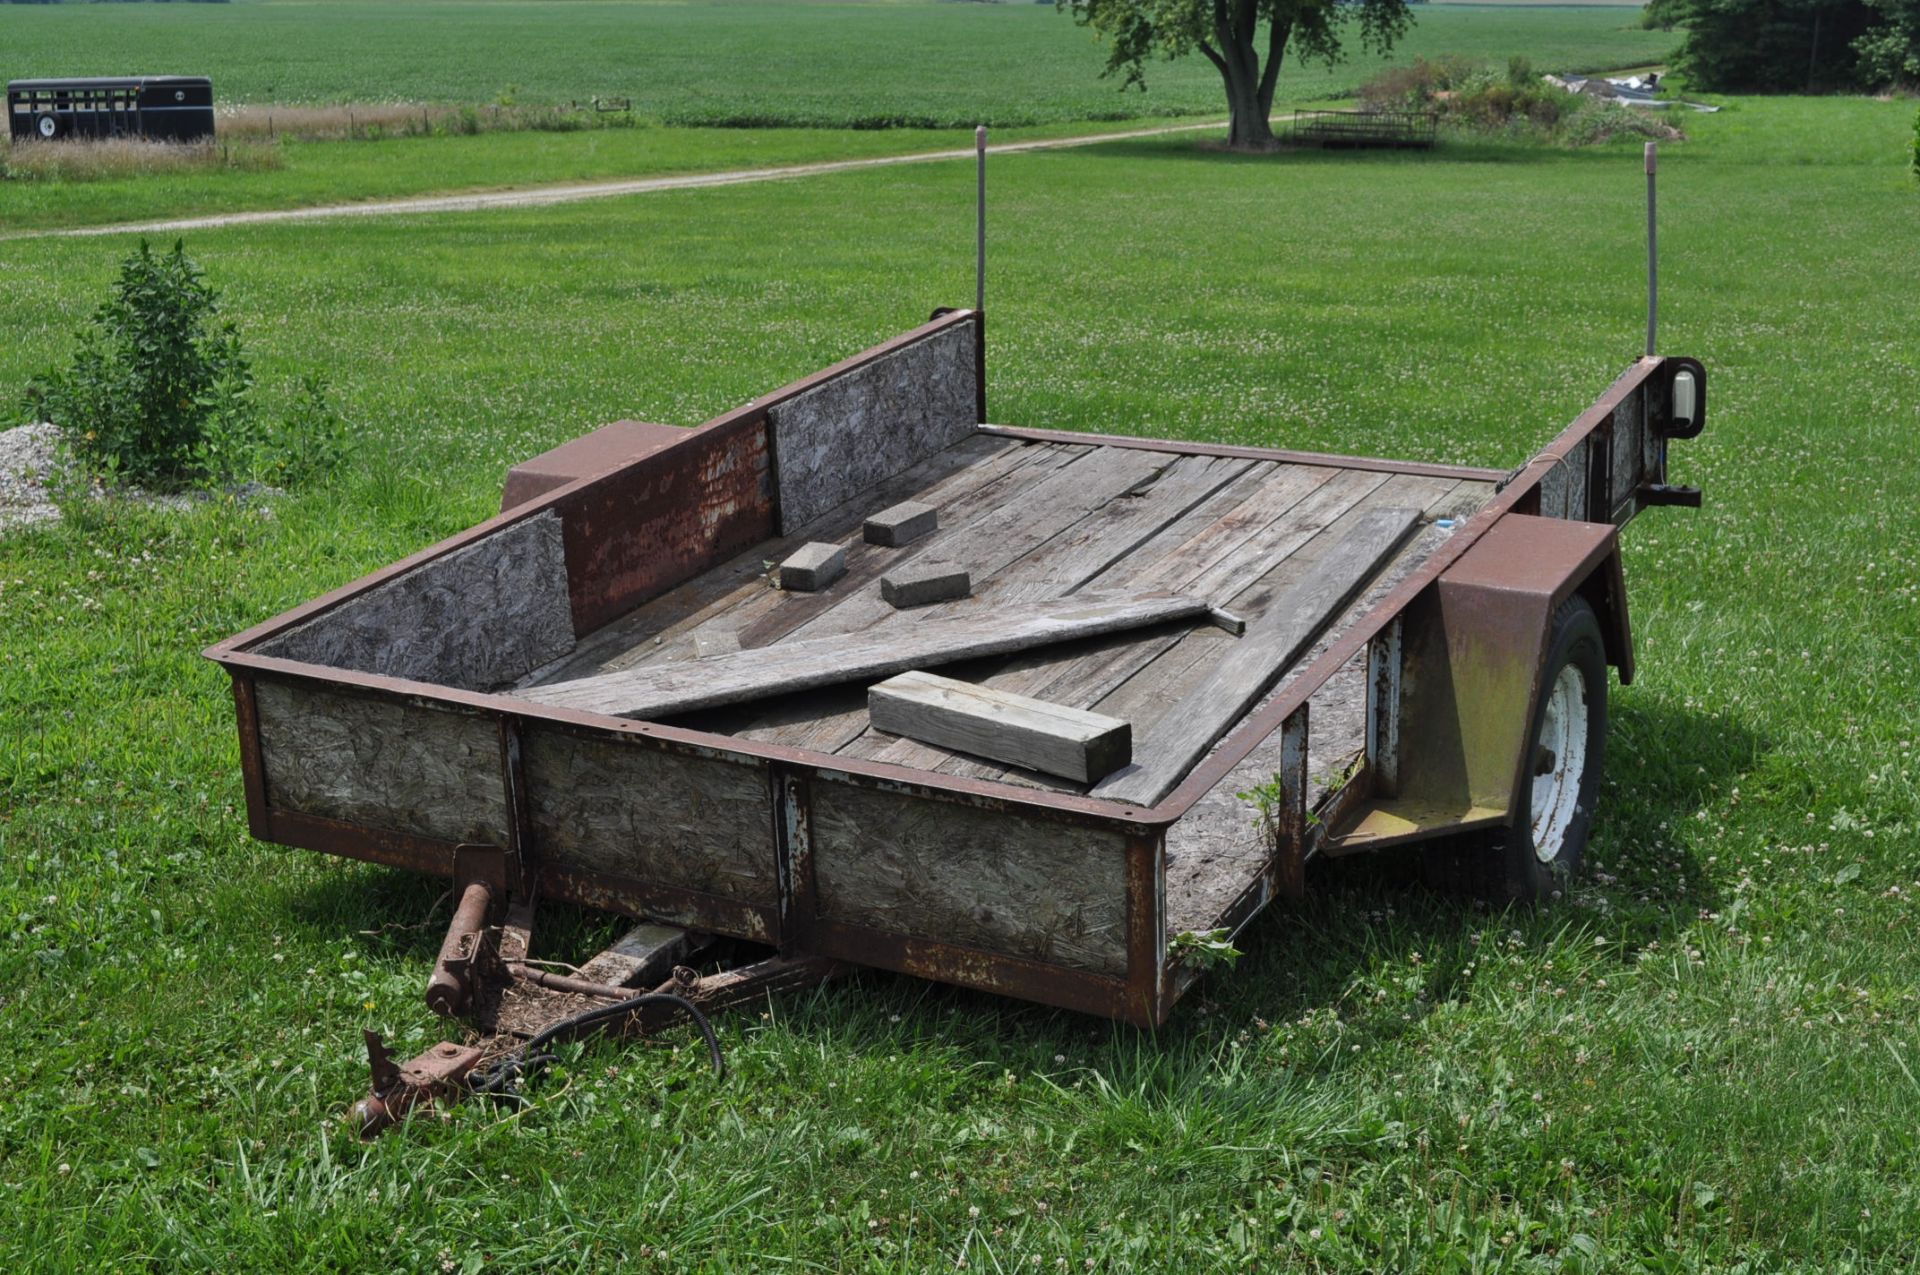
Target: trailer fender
<point>1454,685</point>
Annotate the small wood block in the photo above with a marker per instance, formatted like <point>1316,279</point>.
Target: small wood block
<point>904,523</point>
<point>918,583</point>
<point>1014,729</point>
<point>813,567</point>
<point>719,642</point>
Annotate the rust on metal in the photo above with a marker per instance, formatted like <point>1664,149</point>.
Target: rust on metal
<point>400,1090</point>
<point>462,949</point>
<point>253,769</point>
<point>1147,923</point>
<point>635,533</point>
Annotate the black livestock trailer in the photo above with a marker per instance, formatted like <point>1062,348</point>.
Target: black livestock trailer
<point>174,108</point>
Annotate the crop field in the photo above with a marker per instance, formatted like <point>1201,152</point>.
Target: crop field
<point>1705,1059</point>
<point>914,63</point>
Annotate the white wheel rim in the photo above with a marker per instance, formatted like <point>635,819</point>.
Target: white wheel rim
<point>1560,763</point>
<point>47,126</point>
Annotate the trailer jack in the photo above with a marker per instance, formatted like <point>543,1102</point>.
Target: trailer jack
<point>517,1008</point>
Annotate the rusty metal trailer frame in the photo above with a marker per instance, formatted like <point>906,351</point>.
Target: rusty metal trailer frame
<point>639,529</point>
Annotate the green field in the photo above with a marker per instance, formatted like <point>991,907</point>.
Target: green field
<point>939,65</point>
<point>1705,1061</point>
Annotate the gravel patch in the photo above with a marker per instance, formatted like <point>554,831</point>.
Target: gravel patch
<point>27,456</point>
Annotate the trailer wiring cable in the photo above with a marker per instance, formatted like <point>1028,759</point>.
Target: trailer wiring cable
<point>502,1077</point>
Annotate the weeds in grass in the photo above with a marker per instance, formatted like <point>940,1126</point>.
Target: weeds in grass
<point>100,159</point>
<point>373,122</point>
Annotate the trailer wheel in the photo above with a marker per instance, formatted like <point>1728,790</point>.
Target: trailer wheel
<point>1534,856</point>
<point>48,126</point>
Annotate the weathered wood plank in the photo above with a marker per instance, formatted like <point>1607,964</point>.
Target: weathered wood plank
<point>1110,533</point>
<point>1015,729</point>
<point>476,618</point>
<point>1271,644</point>
<point>382,763</point>
<point>988,879</point>
<point>909,643</point>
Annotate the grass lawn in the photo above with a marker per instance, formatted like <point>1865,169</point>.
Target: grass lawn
<point>1706,1059</point>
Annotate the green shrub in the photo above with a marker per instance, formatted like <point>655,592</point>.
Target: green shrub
<point>157,373</point>
<point>1916,145</point>
<point>160,391</point>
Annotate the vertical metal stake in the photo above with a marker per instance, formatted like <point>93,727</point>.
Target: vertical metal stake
<point>980,222</point>
<point>1653,257</point>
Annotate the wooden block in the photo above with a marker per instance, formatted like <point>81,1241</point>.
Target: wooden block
<point>660,690</point>
<point>904,523</point>
<point>1015,729</point>
<point>643,956</point>
<point>812,567</point>
<point>918,583</point>
<point>718,642</point>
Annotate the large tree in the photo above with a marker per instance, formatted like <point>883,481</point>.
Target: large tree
<point>1228,33</point>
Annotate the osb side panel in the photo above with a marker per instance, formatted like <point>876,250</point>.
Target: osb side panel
<point>842,437</point>
<point>993,880</point>
<point>476,618</point>
<point>637,813</point>
<point>384,764</point>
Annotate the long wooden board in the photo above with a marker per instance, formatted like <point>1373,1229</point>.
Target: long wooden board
<point>1256,660</point>
<point>663,690</point>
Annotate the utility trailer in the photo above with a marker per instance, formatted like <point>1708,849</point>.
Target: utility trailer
<point>1390,652</point>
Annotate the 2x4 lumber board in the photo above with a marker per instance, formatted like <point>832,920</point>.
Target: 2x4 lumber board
<point>714,590</point>
<point>1014,729</point>
<point>1257,660</point>
<point>804,665</point>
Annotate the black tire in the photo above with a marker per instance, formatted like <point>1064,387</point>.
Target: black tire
<point>47,125</point>
<point>1511,863</point>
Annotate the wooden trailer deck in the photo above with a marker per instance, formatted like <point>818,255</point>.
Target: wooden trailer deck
<point>1032,520</point>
